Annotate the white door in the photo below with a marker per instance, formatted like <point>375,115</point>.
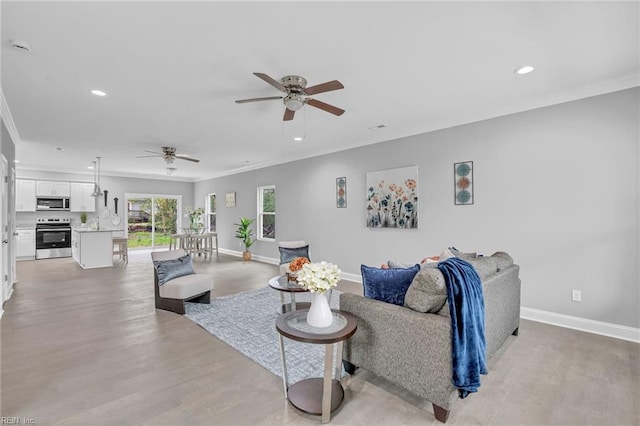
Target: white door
<point>4,222</point>
<point>12,226</point>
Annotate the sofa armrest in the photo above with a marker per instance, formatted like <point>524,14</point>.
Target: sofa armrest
<point>409,348</point>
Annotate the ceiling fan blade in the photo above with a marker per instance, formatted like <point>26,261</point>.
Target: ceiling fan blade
<point>242,101</point>
<point>271,81</point>
<point>188,158</point>
<point>288,114</point>
<point>325,107</point>
<point>147,156</point>
<point>324,87</point>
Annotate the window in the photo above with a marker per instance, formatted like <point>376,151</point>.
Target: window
<point>211,212</point>
<point>267,213</point>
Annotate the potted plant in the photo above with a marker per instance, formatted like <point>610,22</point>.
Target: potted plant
<point>245,233</point>
<point>83,218</point>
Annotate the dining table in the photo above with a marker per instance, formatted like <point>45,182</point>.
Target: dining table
<point>195,242</point>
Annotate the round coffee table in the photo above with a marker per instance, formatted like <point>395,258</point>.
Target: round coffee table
<point>283,285</point>
<point>319,396</point>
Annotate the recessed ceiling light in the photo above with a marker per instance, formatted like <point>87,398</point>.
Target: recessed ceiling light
<point>524,70</point>
<point>58,148</point>
<point>297,139</point>
<point>98,92</point>
<point>16,161</point>
<point>90,167</point>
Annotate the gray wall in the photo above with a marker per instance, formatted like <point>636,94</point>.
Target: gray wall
<point>556,187</point>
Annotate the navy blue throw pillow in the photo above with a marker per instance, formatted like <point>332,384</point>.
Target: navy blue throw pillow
<point>174,268</point>
<point>387,285</point>
<point>288,254</point>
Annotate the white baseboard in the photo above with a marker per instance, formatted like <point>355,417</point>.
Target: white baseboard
<point>576,323</point>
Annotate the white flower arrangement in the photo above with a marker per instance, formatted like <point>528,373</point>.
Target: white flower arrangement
<point>318,277</point>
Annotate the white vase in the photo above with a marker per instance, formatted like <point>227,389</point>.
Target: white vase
<point>320,314</point>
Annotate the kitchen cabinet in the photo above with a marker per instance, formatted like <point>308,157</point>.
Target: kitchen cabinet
<point>92,249</point>
<point>25,195</point>
<point>25,244</point>
<point>52,189</point>
<point>80,198</point>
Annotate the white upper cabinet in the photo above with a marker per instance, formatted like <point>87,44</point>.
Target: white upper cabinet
<point>25,195</point>
<point>81,199</point>
<point>52,189</point>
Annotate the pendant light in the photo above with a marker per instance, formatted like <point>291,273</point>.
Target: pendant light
<point>96,184</point>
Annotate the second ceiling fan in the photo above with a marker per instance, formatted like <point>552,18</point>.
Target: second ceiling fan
<point>296,90</point>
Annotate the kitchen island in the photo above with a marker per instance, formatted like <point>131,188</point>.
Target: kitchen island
<point>93,248</point>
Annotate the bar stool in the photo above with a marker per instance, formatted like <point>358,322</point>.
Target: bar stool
<point>120,248</point>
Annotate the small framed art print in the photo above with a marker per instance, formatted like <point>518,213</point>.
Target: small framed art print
<point>463,183</point>
<point>230,199</point>
<point>341,192</point>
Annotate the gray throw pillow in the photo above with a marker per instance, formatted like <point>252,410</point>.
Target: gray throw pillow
<point>174,268</point>
<point>427,292</point>
<point>484,266</point>
<point>394,264</point>
<point>503,260</point>
<point>288,254</point>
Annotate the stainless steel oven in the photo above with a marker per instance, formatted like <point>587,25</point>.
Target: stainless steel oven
<point>53,238</point>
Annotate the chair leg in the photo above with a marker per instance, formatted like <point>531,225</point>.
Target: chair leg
<point>440,413</point>
<point>348,367</point>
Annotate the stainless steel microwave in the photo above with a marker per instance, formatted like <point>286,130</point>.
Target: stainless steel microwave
<point>52,203</point>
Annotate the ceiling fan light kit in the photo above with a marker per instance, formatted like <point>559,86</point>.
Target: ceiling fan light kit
<point>296,89</point>
<point>169,155</point>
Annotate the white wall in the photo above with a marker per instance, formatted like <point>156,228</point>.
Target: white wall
<point>555,187</point>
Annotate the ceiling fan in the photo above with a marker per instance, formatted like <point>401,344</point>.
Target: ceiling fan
<point>169,154</point>
<point>296,90</point>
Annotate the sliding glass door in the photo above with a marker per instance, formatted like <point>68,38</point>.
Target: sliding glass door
<point>151,219</point>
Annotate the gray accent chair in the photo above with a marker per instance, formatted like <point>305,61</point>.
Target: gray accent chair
<point>413,349</point>
<point>171,296</point>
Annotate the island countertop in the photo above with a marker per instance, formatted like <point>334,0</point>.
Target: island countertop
<point>89,229</point>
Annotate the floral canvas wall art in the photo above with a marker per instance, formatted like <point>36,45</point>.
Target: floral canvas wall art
<point>392,198</point>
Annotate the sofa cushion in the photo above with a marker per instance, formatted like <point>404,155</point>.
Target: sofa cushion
<point>462,255</point>
<point>484,266</point>
<point>427,292</point>
<point>168,270</point>
<point>394,264</point>
<point>288,254</point>
<point>186,286</point>
<point>503,260</point>
<point>387,285</point>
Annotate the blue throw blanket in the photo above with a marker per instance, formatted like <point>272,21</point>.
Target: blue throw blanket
<point>466,305</point>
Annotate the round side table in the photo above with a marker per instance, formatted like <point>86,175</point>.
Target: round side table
<point>319,396</point>
<point>283,285</point>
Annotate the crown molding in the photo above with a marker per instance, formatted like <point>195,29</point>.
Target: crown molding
<point>8,119</point>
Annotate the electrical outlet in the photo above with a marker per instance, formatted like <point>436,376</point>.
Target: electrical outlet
<point>576,296</point>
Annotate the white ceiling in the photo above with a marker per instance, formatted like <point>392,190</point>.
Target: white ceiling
<point>172,71</point>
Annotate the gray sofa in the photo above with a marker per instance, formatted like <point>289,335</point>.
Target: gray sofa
<point>413,349</point>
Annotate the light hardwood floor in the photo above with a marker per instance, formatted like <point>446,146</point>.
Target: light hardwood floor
<point>88,348</point>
